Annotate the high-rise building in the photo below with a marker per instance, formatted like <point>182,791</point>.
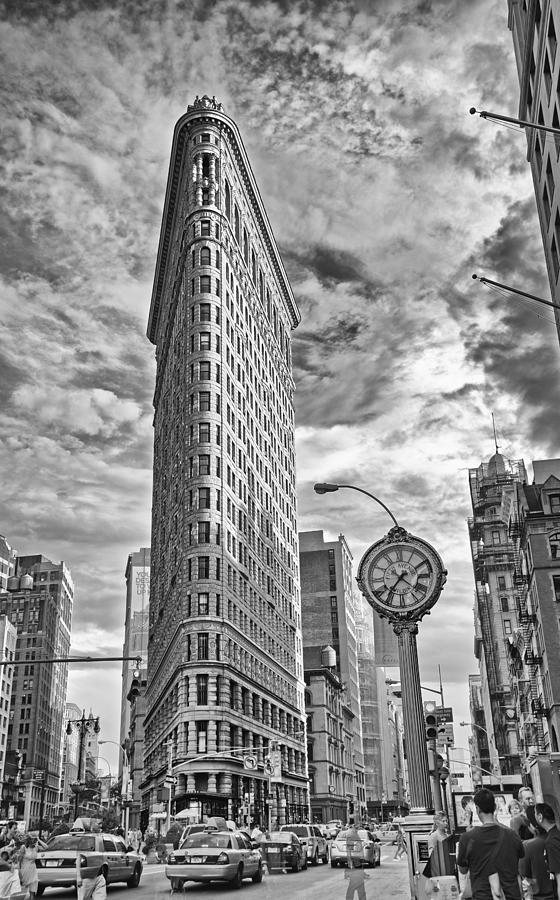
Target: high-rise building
<point>373,706</point>
<point>535,25</point>
<point>328,605</point>
<point>39,603</point>
<point>224,650</point>
<point>134,675</point>
<point>7,562</point>
<point>535,644</point>
<point>8,639</point>
<point>496,566</point>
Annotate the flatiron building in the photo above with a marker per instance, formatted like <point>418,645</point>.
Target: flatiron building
<point>225,691</point>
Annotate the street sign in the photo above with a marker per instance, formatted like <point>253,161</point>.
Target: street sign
<point>38,774</point>
<point>170,780</point>
<point>250,762</point>
<point>444,713</point>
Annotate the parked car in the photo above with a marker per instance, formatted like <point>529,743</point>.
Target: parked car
<point>283,850</point>
<point>334,827</point>
<point>206,856</point>
<point>366,851</point>
<point>56,866</point>
<point>315,844</point>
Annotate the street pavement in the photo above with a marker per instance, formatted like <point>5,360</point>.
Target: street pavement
<point>390,880</point>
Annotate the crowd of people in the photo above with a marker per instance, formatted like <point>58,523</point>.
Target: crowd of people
<point>516,859</point>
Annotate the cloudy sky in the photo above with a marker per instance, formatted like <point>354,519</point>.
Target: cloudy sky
<point>384,195</point>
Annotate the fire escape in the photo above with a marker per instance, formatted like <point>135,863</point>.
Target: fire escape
<point>531,704</point>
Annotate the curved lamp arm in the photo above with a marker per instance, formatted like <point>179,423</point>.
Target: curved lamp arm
<point>326,488</point>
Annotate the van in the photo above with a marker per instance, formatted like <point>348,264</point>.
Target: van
<point>316,846</point>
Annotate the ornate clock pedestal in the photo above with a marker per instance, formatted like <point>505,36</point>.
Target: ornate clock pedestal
<point>402,576</point>
<point>413,717</point>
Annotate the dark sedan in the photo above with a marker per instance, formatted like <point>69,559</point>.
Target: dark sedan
<point>283,850</point>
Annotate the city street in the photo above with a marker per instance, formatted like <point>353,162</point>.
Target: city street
<point>321,883</point>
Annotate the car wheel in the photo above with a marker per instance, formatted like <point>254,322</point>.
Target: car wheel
<point>176,884</point>
<point>40,890</point>
<point>295,867</point>
<point>134,879</point>
<point>304,866</point>
<point>334,864</point>
<point>315,860</point>
<point>257,877</point>
<point>237,882</point>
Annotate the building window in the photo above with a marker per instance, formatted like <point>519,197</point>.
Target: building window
<point>228,200</point>
<point>205,228</point>
<point>502,582</point>
<point>205,312</point>
<point>334,602</point>
<point>204,432</point>
<point>202,645</point>
<point>205,256</point>
<point>496,537</point>
<point>204,532</point>
<point>504,604</point>
<point>554,500</point>
<point>507,626</point>
<point>554,544</point>
<point>205,284</point>
<point>204,401</point>
<point>201,734</point>
<point>556,587</point>
<point>205,340</point>
<point>204,371</point>
<point>204,498</point>
<point>204,572</point>
<point>202,690</point>
<point>204,464</point>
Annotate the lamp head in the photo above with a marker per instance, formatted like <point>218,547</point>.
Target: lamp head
<point>69,728</point>
<point>325,488</point>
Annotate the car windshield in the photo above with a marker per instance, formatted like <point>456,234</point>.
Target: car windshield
<point>300,830</point>
<point>72,842</point>
<point>208,840</point>
<point>279,837</point>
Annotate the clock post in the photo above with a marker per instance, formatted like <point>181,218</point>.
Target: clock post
<point>402,576</point>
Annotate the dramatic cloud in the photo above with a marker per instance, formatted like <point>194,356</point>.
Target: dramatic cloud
<point>384,195</point>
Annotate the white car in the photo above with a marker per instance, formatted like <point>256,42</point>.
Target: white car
<point>206,856</point>
<point>366,851</point>
<point>56,865</point>
<point>311,836</point>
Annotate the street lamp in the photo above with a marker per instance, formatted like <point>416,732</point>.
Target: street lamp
<point>326,488</point>
<point>126,785</point>
<point>85,726</point>
<point>474,725</point>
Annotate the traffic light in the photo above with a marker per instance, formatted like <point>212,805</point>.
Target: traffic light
<point>135,685</point>
<point>430,720</point>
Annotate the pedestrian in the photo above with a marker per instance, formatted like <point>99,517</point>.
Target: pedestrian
<point>489,852</point>
<point>535,877</point>
<point>355,873</point>
<point>520,822</point>
<point>401,843</point>
<point>27,857</point>
<point>91,888</point>
<point>439,862</point>
<point>544,814</point>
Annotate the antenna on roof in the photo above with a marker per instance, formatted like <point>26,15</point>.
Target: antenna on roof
<point>494,430</point>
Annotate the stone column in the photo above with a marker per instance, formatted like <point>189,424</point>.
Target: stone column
<point>413,718</point>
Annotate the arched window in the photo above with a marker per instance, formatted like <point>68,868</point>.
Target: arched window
<point>554,544</point>
<point>245,246</point>
<point>205,256</point>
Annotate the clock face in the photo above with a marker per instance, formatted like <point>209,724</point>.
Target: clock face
<point>401,577</point>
